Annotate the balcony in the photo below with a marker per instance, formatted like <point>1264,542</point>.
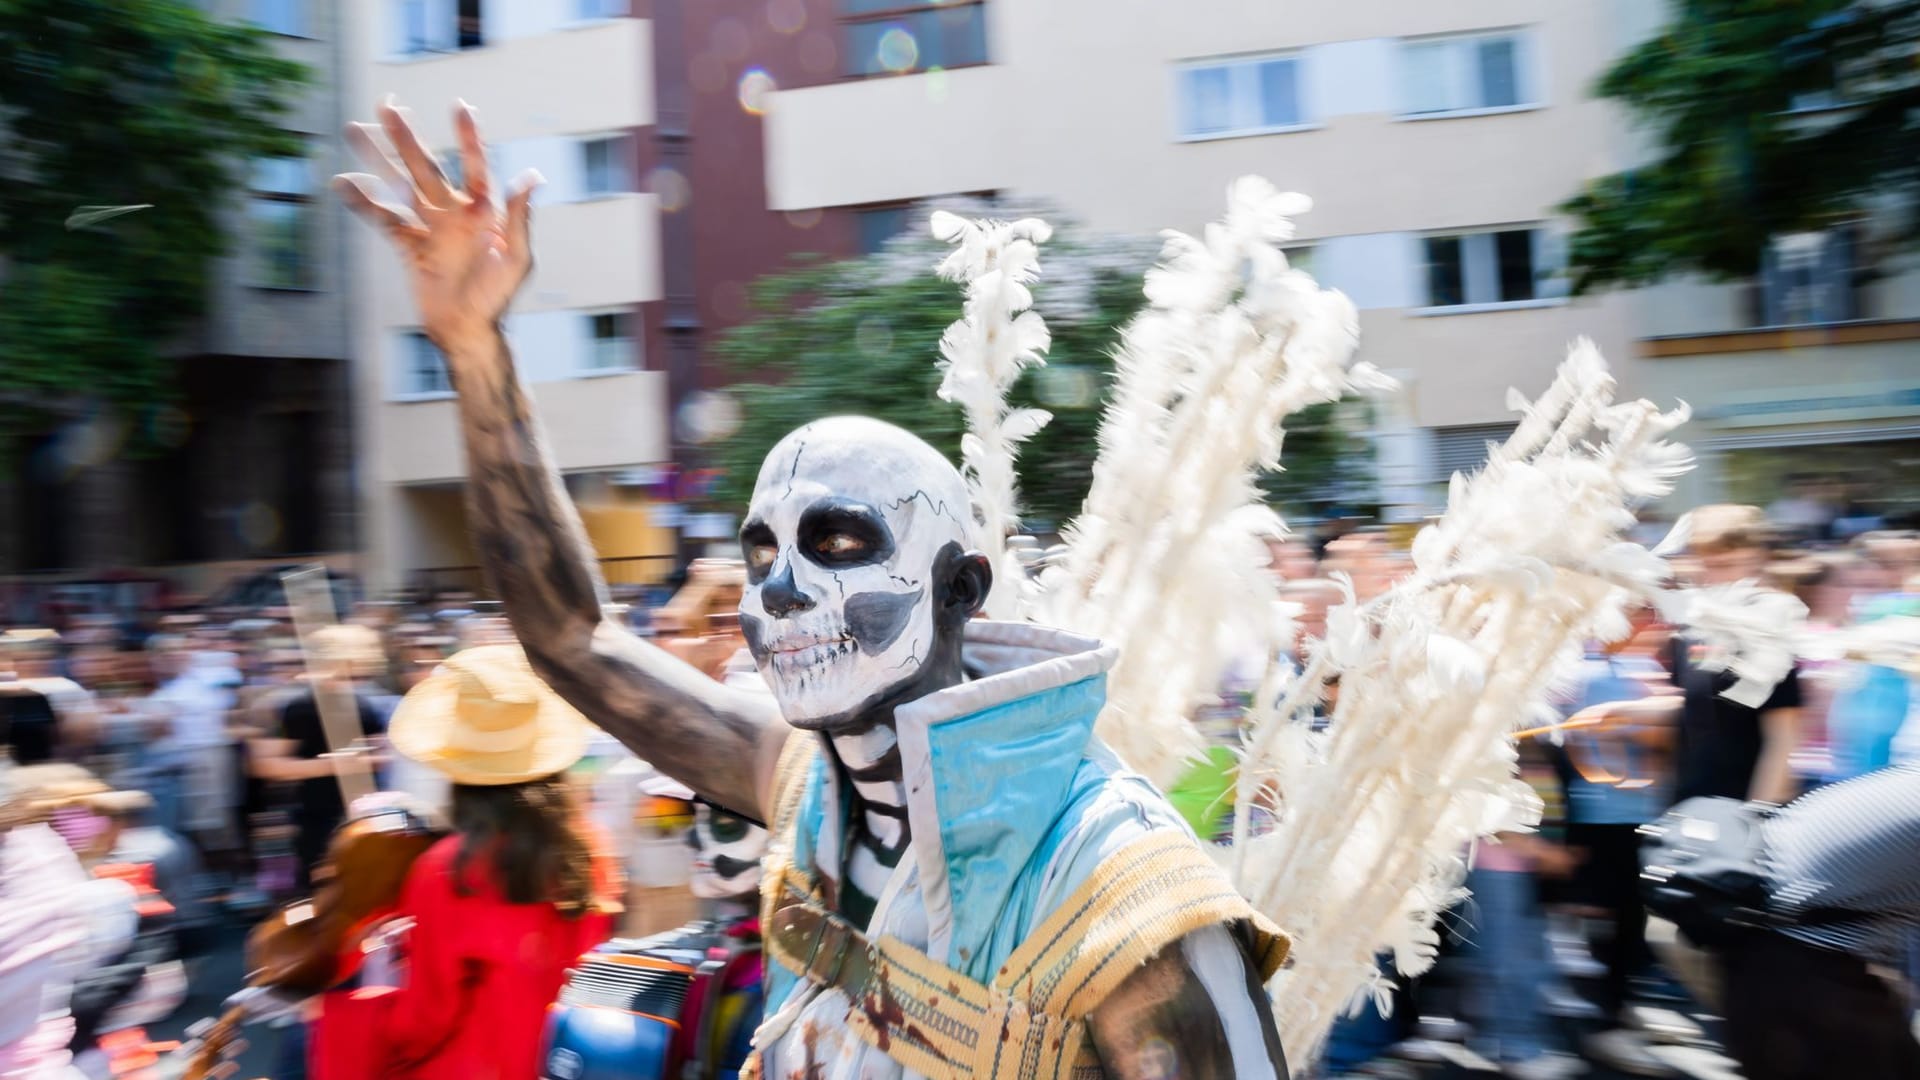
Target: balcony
<point>608,422</point>
<point>886,139</point>
<point>596,77</point>
<point>601,253</point>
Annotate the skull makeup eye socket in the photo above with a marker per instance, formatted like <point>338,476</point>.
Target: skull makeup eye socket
<point>840,546</point>
<point>841,533</point>
<point>726,828</point>
<point>759,549</point>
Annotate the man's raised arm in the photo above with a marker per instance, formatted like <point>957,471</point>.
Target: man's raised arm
<point>465,259</point>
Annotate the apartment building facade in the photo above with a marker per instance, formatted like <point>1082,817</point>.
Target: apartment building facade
<point>1804,382</point>
<point>252,460</point>
<point>565,87</point>
<point>1435,139</point>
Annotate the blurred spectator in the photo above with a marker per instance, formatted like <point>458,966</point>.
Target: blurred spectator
<point>190,711</point>
<point>1367,557</point>
<point>1313,597</point>
<point>1293,559</point>
<point>701,624</point>
<point>298,749</point>
<point>1616,782</point>
<point>1507,937</point>
<point>51,716</point>
<point>57,923</point>
<point>1725,748</point>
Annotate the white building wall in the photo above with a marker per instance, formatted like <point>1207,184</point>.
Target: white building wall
<point>541,82</point>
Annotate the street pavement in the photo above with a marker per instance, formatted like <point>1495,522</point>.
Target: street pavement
<point>214,976</point>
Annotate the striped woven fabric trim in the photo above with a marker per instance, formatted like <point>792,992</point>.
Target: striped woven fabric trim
<point>1147,895</point>
<point>778,875</point>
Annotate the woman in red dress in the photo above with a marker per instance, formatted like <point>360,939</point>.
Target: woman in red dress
<point>501,908</point>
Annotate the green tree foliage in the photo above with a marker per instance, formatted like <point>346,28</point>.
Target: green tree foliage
<point>1769,117</point>
<point>118,103</point>
<point>862,337</point>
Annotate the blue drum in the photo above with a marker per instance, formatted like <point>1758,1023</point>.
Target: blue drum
<point>679,1006</point>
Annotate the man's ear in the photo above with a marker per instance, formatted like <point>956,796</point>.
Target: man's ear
<point>964,579</point>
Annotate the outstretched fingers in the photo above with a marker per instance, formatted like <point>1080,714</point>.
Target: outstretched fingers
<point>473,159</point>
<point>360,192</point>
<point>427,177</point>
<point>519,230</point>
<point>367,147</point>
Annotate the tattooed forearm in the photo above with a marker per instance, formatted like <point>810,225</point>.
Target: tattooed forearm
<point>537,556</point>
<point>526,529</point>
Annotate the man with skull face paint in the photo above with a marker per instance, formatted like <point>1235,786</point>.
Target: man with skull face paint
<point>963,882</point>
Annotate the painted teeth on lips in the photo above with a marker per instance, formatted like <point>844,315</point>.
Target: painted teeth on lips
<point>794,657</point>
<point>810,641</point>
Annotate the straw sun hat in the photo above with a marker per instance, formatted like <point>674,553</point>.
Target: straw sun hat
<point>483,717</point>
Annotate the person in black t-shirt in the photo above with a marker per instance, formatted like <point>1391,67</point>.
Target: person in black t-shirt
<point>1725,748</point>
<point>318,808</point>
<point>1721,747</point>
<point>296,753</point>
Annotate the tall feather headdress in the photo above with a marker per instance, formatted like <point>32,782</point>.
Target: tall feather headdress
<point>1375,816</point>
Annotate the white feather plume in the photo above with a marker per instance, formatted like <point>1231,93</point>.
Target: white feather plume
<point>996,338</point>
<point>1164,559</point>
<point>1377,814</point>
<point>1751,632</point>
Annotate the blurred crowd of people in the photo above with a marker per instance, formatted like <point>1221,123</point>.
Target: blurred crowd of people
<point>198,746</point>
<point>214,717</point>
<point>1548,970</point>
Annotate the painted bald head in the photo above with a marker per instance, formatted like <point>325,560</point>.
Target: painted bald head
<point>860,573</point>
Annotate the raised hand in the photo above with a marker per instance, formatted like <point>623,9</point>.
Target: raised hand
<point>465,260</point>
<point>465,257</point>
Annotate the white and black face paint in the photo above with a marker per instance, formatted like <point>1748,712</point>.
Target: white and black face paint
<point>726,854</point>
<point>851,544</point>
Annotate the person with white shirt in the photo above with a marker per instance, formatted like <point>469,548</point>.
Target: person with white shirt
<point>193,704</point>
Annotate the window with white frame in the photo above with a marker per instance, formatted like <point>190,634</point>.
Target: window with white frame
<point>606,165</point>
<point>428,26</point>
<point>599,9</point>
<point>1505,266</point>
<point>610,341</point>
<point>280,219</point>
<point>1219,98</point>
<point>423,367</point>
<point>1466,73</point>
<point>279,16</point>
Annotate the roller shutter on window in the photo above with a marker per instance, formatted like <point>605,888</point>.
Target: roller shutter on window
<point>1464,449</point>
